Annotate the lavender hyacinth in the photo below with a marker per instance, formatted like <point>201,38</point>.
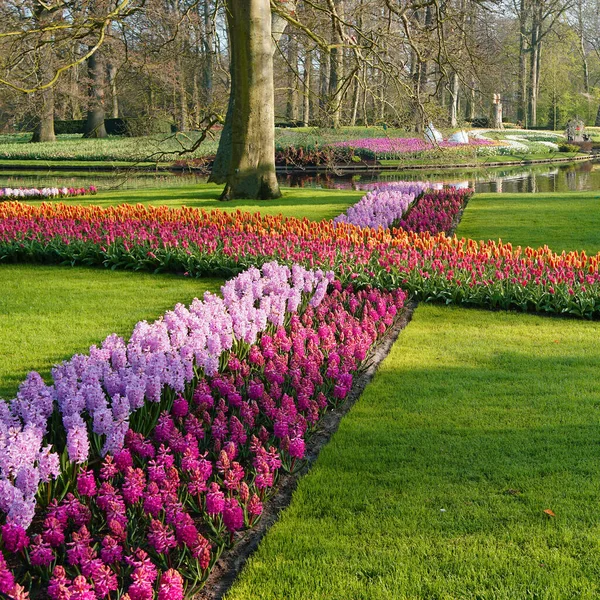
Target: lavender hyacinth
<point>384,205</point>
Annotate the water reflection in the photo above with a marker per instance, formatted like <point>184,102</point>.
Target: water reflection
<point>580,176</point>
<point>573,177</point>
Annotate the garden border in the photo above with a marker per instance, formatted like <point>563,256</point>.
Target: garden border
<point>105,166</point>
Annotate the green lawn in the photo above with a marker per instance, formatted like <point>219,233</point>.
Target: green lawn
<point>563,221</point>
<point>448,159</point>
<point>49,313</point>
<point>314,204</point>
<point>436,483</point>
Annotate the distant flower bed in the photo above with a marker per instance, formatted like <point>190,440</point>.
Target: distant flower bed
<point>390,148</point>
<point>44,193</point>
<point>195,417</point>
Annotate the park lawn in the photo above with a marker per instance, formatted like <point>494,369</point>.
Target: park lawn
<point>313,203</point>
<point>563,221</point>
<point>48,313</point>
<point>436,483</point>
<point>91,165</point>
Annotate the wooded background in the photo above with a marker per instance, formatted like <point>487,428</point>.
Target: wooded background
<point>336,62</point>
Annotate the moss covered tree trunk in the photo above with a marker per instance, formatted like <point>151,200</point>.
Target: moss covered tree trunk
<point>94,124</point>
<point>220,168</point>
<point>111,71</point>
<point>251,170</point>
<point>44,129</point>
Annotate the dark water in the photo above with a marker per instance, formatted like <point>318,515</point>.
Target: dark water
<point>580,176</point>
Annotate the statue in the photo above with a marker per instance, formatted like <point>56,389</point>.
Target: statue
<point>575,130</point>
<point>497,101</point>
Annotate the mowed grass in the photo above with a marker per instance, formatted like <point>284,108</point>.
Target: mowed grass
<point>436,483</point>
<point>314,204</point>
<point>49,313</point>
<point>448,159</point>
<point>568,221</point>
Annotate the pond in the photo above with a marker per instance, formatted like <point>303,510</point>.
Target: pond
<point>569,177</point>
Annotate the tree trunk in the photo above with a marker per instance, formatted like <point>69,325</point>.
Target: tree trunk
<point>293,101</point>
<point>279,23</point>
<point>497,118</point>
<point>195,101</point>
<point>336,67</point>
<point>221,165</point>
<point>44,129</point>
<point>183,106</point>
<point>470,107</point>
<point>75,108</point>
<point>94,125</point>
<point>208,49</point>
<point>324,68</point>
<point>112,79</point>
<point>307,79</point>
<point>534,67</point>
<point>454,105</point>
<point>251,171</point>
<point>522,75</point>
<point>355,101</point>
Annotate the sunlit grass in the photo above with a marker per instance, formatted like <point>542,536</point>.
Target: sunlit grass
<point>49,313</point>
<point>436,483</point>
<point>569,221</point>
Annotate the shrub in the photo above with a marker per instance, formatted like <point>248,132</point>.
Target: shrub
<point>564,147</point>
<point>69,127</point>
<point>480,122</point>
<point>129,126</point>
<point>138,126</point>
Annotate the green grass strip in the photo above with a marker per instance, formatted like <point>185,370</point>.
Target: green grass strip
<point>562,221</point>
<point>47,313</point>
<point>448,159</point>
<point>436,483</point>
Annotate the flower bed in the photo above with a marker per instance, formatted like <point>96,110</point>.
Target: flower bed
<point>384,206</point>
<point>44,193</point>
<point>432,267</point>
<point>195,416</point>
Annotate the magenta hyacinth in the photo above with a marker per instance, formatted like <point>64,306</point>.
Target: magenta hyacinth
<point>170,586</point>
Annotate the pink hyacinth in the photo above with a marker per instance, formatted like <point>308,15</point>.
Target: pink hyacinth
<point>170,586</point>
<point>86,483</point>
<point>215,500</point>
<point>161,537</point>
<point>233,515</point>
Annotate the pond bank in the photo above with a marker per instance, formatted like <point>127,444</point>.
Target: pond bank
<point>384,165</point>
